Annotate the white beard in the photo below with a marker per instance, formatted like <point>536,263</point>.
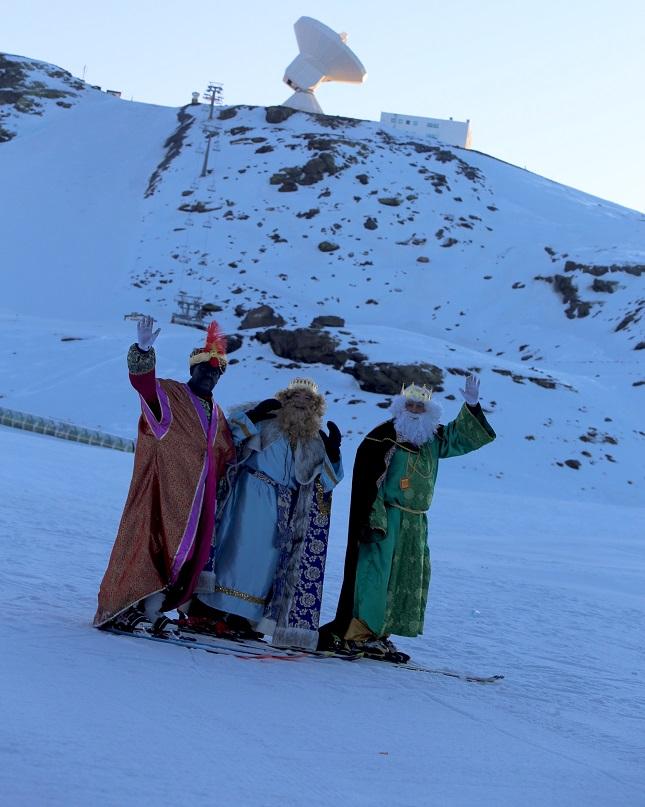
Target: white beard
<point>415,428</point>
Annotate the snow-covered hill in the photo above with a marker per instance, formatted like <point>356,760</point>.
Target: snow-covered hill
<point>439,255</point>
<point>550,597</point>
<point>429,255</point>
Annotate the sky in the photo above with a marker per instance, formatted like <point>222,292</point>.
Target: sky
<point>555,87</point>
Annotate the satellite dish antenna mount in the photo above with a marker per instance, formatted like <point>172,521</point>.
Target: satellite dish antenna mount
<point>323,56</point>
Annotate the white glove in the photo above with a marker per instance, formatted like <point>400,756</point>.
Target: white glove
<point>471,390</point>
<point>145,336</point>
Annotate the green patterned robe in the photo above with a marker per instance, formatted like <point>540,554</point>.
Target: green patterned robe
<point>393,574</point>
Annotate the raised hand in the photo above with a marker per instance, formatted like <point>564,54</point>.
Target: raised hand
<point>145,336</point>
<point>471,390</point>
<point>332,441</point>
<point>265,410</point>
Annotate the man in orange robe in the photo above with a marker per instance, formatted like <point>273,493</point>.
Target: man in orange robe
<point>183,447</point>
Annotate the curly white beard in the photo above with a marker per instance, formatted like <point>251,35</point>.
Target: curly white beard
<point>415,428</point>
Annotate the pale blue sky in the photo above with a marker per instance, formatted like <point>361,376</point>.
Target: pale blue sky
<point>556,87</point>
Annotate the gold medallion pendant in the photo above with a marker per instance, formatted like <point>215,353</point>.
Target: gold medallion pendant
<point>404,484</point>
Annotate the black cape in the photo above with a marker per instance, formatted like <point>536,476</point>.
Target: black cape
<point>369,467</point>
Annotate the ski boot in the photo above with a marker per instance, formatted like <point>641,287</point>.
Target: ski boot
<point>382,649</point>
<point>330,642</point>
<point>201,618</point>
<point>241,628</point>
<point>127,620</point>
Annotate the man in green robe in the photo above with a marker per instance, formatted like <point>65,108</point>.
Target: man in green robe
<point>387,564</point>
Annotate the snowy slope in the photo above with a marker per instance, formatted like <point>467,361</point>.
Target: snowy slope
<point>100,219</point>
<point>89,717</point>
<point>537,564</point>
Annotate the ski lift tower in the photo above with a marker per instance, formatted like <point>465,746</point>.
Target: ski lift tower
<point>190,311</point>
<point>214,93</point>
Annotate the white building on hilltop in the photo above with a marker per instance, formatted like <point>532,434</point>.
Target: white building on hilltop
<point>453,132</point>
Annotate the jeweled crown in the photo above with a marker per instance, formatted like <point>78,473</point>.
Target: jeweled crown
<point>415,393</point>
<point>303,383</point>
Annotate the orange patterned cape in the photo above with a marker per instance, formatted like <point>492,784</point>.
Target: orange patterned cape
<point>167,525</point>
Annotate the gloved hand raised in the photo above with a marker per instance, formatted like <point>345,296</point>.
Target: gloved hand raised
<point>471,390</point>
<point>145,336</point>
<point>332,441</point>
<point>265,410</point>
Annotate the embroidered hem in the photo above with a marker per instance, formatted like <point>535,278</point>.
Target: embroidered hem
<point>295,637</point>
<point>241,595</point>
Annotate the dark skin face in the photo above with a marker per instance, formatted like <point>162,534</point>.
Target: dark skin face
<point>203,377</point>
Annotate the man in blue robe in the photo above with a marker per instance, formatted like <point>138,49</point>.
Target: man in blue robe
<point>267,565</point>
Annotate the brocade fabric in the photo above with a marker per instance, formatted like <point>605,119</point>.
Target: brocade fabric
<point>268,561</point>
<point>167,523</point>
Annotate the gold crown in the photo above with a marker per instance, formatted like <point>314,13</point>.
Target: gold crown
<point>414,393</point>
<point>304,383</point>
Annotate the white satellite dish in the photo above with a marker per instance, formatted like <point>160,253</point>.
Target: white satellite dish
<point>323,56</point>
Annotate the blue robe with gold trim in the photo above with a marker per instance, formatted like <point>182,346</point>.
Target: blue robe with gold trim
<point>268,562</point>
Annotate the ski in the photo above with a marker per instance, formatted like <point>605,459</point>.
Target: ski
<point>262,651</point>
<point>471,679</point>
<point>228,649</point>
<point>258,646</point>
<point>233,647</point>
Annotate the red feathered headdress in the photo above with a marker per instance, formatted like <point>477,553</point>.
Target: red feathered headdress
<point>214,349</point>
